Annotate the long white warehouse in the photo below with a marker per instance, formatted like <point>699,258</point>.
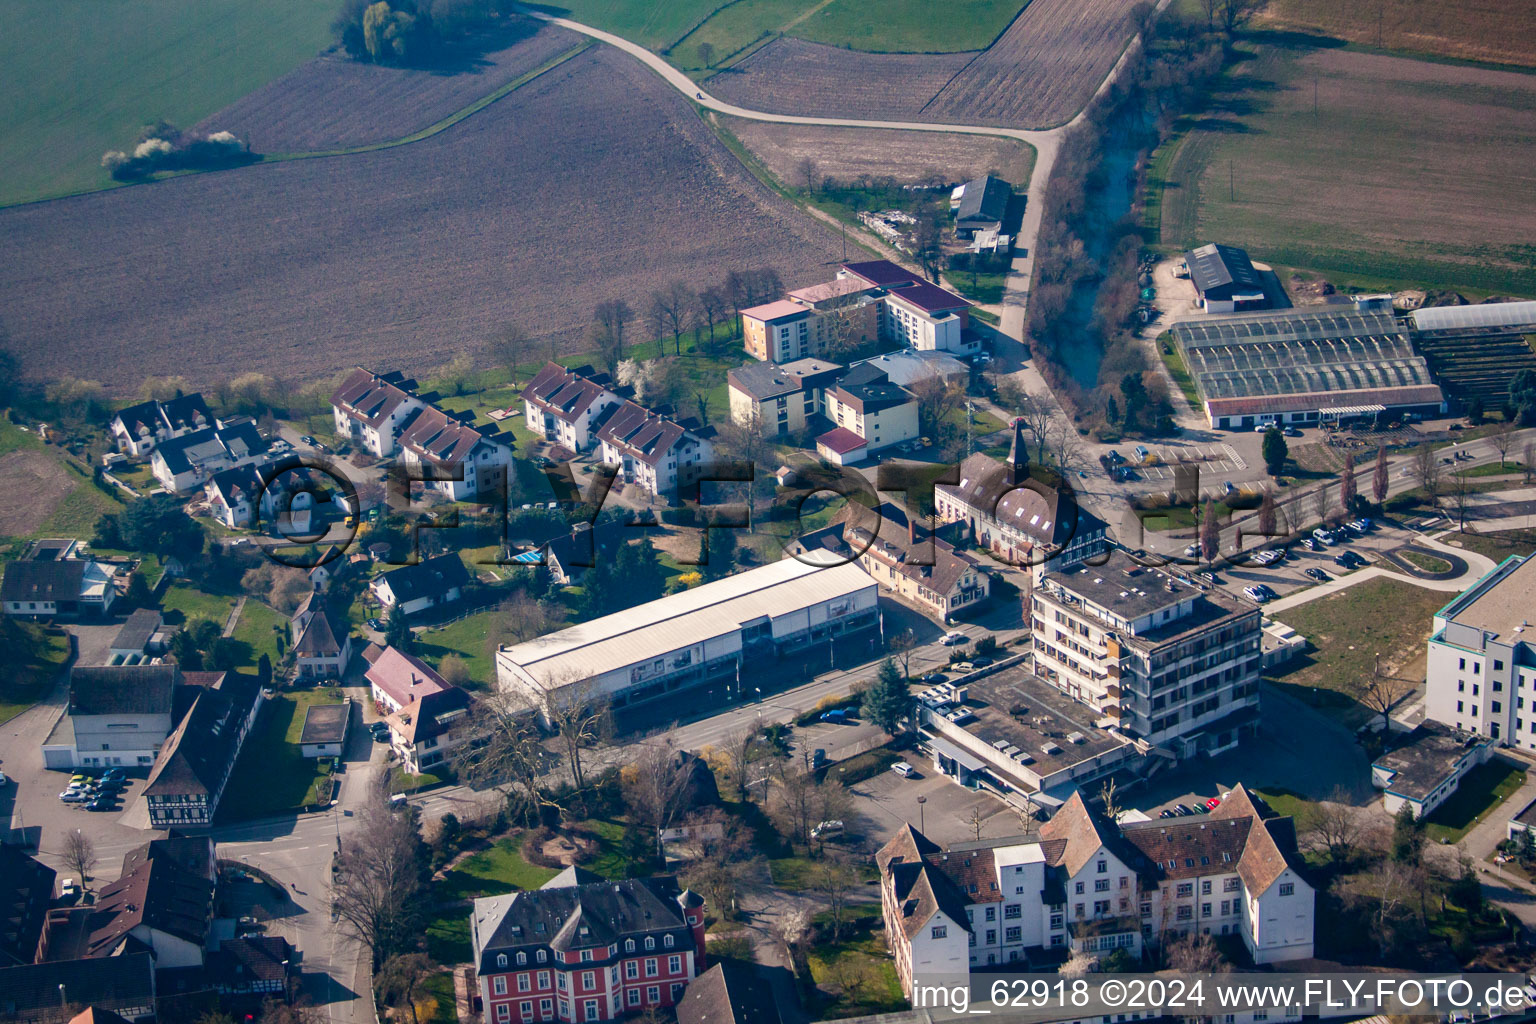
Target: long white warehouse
<point>697,635</point>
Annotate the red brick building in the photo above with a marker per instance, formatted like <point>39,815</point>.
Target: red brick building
<point>582,949</point>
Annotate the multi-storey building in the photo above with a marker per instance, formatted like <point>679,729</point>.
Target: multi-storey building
<point>188,461</point>
<point>462,463</point>
<point>1481,675</point>
<point>870,414</point>
<point>1087,885</point>
<point>194,765</point>
<point>138,428</point>
<point>655,452</point>
<point>117,715</point>
<point>1165,661</point>
<point>567,406</point>
<point>780,399</point>
<point>1020,519</point>
<point>581,949</point>
<point>371,409</point>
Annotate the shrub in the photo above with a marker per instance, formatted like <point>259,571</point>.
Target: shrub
<point>164,148</point>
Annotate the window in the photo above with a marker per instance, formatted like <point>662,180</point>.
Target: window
<point>674,964</point>
<point>1205,888</point>
<point>650,942</point>
<point>650,967</point>
<point>1103,867</point>
<point>586,956</point>
<point>526,1008</point>
<point>1205,910</point>
<point>1100,907</point>
<point>631,969</point>
<point>503,1012</point>
<point>546,1007</point>
<point>1055,920</point>
<point>501,959</point>
<point>543,979</point>
<point>1185,889</point>
<point>588,980</point>
<point>1011,912</point>
<point>1012,934</point>
<point>666,940</point>
<point>939,931</point>
<point>499,985</point>
<point>524,983</point>
<point>590,1009</point>
<point>1078,889</point>
<point>1101,885</point>
<point>1185,913</point>
<point>991,936</point>
<point>1287,888</point>
<point>633,998</point>
<point>991,913</point>
<point>653,993</point>
<point>629,945</point>
<point>541,956</point>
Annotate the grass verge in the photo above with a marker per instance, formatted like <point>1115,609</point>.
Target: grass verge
<point>1482,789</point>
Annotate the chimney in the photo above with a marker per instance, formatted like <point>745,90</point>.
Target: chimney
<point>911,531</point>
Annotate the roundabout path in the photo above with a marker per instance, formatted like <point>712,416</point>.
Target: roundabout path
<point>1046,143</point>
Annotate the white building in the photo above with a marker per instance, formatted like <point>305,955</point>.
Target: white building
<point>654,452</point>
<point>706,633</point>
<point>428,584</point>
<point>871,414</point>
<point>1481,675</point>
<point>188,461</point>
<point>54,583</point>
<point>782,399</point>
<point>1426,767</point>
<point>371,409</point>
<point>921,315</point>
<point>138,428</point>
<point>566,406</point>
<point>461,463</point>
<point>117,715</point>
<point>1085,885</point>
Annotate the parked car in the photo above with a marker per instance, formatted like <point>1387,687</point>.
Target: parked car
<point>74,796</point>
<point>1292,431</point>
<point>1227,487</point>
<point>1312,543</point>
<point>903,769</point>
<point>1140,451</point>
<point>933,677</point>
<point>827,828</point>
<point>952,638</point>
<point>1322,536</point>
<point>818,756</point>
<point>1318,574</point>
<point>1166,813</point>
<point>1269,592</point>
<point>3,779</point>
<point>102,803</point>
<point>1192,551</point>
<point>1256,594</point>
<point>307,439</point>
<point>981,661</point>
<point>1182,809</point>
<point>963,666</point>
<point>1343,561</point>
<point>838,715</point>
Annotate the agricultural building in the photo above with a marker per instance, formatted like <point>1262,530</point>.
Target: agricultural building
<point>1224,279</point>
<point>981,205</point>
<point>1475,351</point>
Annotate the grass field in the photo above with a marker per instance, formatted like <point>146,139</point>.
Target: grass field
<point>84,76</point>
<point>469,638</point>
<point>1483,789</point>
<point>36,654</point>
<point>255,630</point>
<point>196,604</point>
<point>499,869</point>
<point>1500,31</point>
<point>43,491</point>
<point>1301,132</point>
<point>1429,563</point>
<point>1497,546</point>
<point>1347,630</point>
<point>272,775</point>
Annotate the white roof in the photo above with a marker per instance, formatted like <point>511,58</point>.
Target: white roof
<point>681,620</point>
<point>1486,314</point>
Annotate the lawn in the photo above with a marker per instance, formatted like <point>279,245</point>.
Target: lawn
<point>499,869</point>
<point>272,776</point>
<point>798,874</point>
<point>36,654</point>
<point>1178,371</point>
<point>1284,802</point>
<point>1497,546</point>
<point>983,288</point>
<point>1483,789</point>
<point>258,629</point>
<point>193,603</point>
<point>1495,469</point>
<point>1429,563</point>
<point>1347,630</point>
<point>469,638</point>
<point>1287,146</point>
<point>855,977</point>
<point>86,76</point>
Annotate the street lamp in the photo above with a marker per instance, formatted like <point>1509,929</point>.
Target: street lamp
<point>922,820</point>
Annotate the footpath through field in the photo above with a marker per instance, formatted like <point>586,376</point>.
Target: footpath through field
<point>1045,142</point>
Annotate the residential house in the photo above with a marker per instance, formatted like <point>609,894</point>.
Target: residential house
<point>322,644</point>
<point>139,638</point>
<point>1086,885</point>
<point>122,985</point>
<point>871,414</point>
<point>570,555</point>
<point>1022,519</point>
<point>117,715</point>
<point>193,766</point>
<point>925,570</point>
<point>1425,769</point>
<point>397,680</point>
<point>263,966</point>
<point>238,497</point>
<point>26,893</point>
<point>457,461</point>
<point>654,452</point>
<point>1481,673</point>
<point>565,406</point>
<point>187,462</point>
<point>427,731</point>
<point>581,949</point>
<point>331,565</point>
<point>780,399</point>
<point>159,906</point>
<point>325,729</point>
<point>372,409</point>
<point>138,428</point>
<point>728,993</point>
<point>1162,659</point>
<point>53,581</point>
<point>427,584</point>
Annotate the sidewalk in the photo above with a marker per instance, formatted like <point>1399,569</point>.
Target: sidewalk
<point>1486,835</point>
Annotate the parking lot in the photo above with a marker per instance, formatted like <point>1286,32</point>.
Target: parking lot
<point>1165,460</point>
<point>883,804</point>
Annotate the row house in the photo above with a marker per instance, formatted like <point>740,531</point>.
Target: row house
<point>1161,659</point>
<point>138,428</point>
<point>372,409</point>
<point>461,463</point>
<point>1087,885</point>
<point>653,451</point>
<point>193,767</point>
<point>1022,520</point>
<point>187,462</point>
<point>581,949</point>
<point>565,407</point>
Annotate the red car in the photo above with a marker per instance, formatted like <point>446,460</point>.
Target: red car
<point>1213,803</point>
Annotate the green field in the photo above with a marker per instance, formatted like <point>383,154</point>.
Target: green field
<point>1297,134</point>
<point>36,654</point>
<point>84,76</point>
<point>1483,789</point>
<point>255,630</point>
<point>196,604</point>
<point>272,775</point>
<point>469,639</point>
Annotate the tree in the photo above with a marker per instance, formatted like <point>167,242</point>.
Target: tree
<point>976,820</point>
<point>1109,799</point>
<point>1274,451</point>
<point>1407,837</point>
<point>510,348</point>
<point>712,304</point>
<point>707,55</point>
<point>808,175</point>
<point>1195,953</point>
<point>1134,390</point>
<point>1530,461</point>
<point>79,854</point>
<point>1332,827</point>
<point>1522,397</point>
<point>379,891</point>
<point>901,646</point>
<point>677,305</point>
<point>580,715</point>
<point>397,632</point>
<point>1320,502</point>
<point>1475,412</point>
<point>1210,532</point>
<point>157,524</point>
<point>721,561</point>
<point>655,785</point>
<point>1267,514</point>
<point>1382,691</point>
<point>737,750</point>
<point>1347,488</point>
<point>888,699</point>
<point>936,400</point>
<point>611,319</point>
<point>1502,437</point>
<point>1379,479</point>
<point>453,670</point>
<point>400,980</point>
<point>926,245</point>
<point>509,757</point>
<point>1426,470</point>
<point>835,881</point>
<point>459,372</point>
<point>1461,497</point>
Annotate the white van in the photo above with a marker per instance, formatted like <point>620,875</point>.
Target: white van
<point>903,769</point>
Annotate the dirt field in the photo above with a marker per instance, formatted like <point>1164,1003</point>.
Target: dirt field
<point>593,181</point>
<point>1502,31</point>
<point>908,157</point>
<point>1040,72</point>
<point>335,103</point>
<point>1409,173</point>
<point>31,486</point>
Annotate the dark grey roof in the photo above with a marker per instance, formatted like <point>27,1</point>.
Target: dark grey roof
<point>195,854</point>
<point>1425,759</point>
<point>431,577</point>
<point>26,892</point>
<point>122,689</point>
<point>240,962</point>
<point>727,993</point>
<point>239,441</point>
<point>198,755</point>
<point>590,916</point>
<point>321,637</point>
<point>325,723</point>
<point>33,580</point>
<point>137,630</point>
<point>984,200</point>
<point>110,983</point>
<point>1213,266</point>
<point>160,894</point>
<point>868,389</point>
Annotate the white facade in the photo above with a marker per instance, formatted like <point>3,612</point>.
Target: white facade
<point>942,331</point>
<point>879,429</point>
<point>379,439</point>
<point>576,431</point>
<point>485,469</point>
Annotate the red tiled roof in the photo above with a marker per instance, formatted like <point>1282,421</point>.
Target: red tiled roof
<point>404,677</point>
<point>841,440</point>
<point>370,397</point>
<point>564,393</point>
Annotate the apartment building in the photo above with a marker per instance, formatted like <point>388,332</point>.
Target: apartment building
<point>1088,885</point>
<point>1021,519</point>
<point>580,949</point>
<point>870,414</point>
<point>566,407</point>
<point>371,409</point>
<point>462,463</point>
<point>138,428</point>
<point>921,315</point>
<point>655,452</point>
<point>780,399</point>
<point>1481,675</point>
<point>188,461</point>
<point>1165,661</point>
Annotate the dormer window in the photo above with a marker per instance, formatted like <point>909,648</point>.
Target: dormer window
<point>650,942</point>
<point>667,941</point>
<point>629,945</point>
<point>501,959</point>
<point>522,959</point>
<point>541,956</point>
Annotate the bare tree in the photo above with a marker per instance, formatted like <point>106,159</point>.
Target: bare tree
<point>522,617</point>
<point>793,928</point>
<point>1210,532</point>
<point>1426,469</point>
<point>1379,479</point>
<point>712,305</point>
<point>1530,461</point>
<point>1195,953</point>
<point>1347,484</point>
<point>611,318</point>
<point>844,325</point>
<point>748,443</point>
<point>1267,514</point>
<point>1067,447</point>
<point>1385,890</point>
<point>737,751</point>
<point>510,348</point>
<point>808,175</point>
<point>1235,12</point>
<point>1210,7</point>
<point>1332,827</point>
<point>937,399</point>
<point>677,304</point>
<point>1382,691</point>
<point>510,756</point>
<point>835,880</point>
<point>1321,502</point>
<point>901,646</point>
<point>706,53</point>
<point>1502,437</point>
<point>400,980</point>
<point>803,801</point>
<point>580,715</point>
<point>656,319</point>
<point>79,854</point>
<point>378,891</point>
<point>1462,490</point>
<point>976,820</point>
<point>1109,797</point>
<point>1035,410</point>
<point>656,785</point>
